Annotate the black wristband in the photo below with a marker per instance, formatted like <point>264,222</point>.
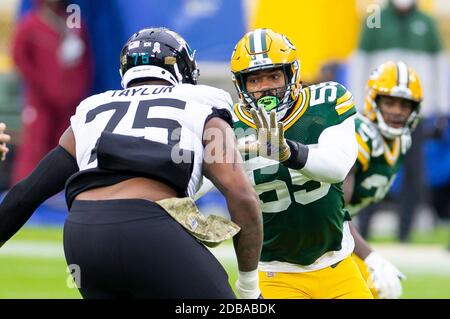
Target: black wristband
<point>299,155</point>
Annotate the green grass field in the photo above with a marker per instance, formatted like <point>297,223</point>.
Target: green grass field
<point>32,265</point>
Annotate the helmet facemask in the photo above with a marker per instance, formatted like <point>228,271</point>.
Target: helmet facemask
<point>266,50</point>
<point>279,99</point>
<point>395,80</point>
<point>391,132</point>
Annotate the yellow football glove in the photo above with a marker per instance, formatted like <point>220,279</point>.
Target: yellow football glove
<point>270,141</point>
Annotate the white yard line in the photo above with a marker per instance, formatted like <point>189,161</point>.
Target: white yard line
<point>427,258</point>
<point>25,248</point>
<point>415,258</point>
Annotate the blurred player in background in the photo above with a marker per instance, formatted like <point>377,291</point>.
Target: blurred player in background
<point>128,154</point>
<point>407,34</point>
<point>4,138</point>
<point>306,144</point>
<point>392,108</point>
<point>55,64</point>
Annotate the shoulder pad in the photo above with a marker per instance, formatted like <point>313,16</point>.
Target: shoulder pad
<point>333,95</point>
<point>233,113</point>
<point>208,95</point>
<point>370,132</point>
<point>365,127</point>
<point>93,101</point>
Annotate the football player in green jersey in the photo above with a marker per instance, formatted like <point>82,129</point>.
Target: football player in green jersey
<point>299,145</point>
<point>384,136</point>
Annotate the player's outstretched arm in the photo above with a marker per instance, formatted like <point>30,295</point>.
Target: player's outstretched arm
<point>349,185</point>
<point>227,174</point>
<point>334,155</point>
<point>47,179</point>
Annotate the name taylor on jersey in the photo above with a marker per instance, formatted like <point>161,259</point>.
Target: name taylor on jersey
<point>141,91</point>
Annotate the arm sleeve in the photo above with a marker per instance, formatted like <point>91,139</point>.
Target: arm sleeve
<point>332,158</point>
<point>47,179</point>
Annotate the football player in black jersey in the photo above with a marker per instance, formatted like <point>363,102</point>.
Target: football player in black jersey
<point>119,160</point>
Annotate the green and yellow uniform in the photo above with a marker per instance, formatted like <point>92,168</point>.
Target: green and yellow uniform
<point>378,162</point>
<point>304,219</point>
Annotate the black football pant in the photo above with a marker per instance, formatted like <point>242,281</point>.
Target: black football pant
<point>132,248</point>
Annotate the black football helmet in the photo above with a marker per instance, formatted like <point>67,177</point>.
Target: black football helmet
<point>158,53</point>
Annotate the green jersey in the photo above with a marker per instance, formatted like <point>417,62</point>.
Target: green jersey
<point>303,218</point>
<point>378,163</point>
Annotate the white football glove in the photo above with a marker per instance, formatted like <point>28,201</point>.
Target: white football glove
<point>247,285</point>
<point>385,276</point>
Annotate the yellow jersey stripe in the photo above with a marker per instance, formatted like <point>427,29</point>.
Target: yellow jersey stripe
<point>238,110</point>
<point>364,161</point>
<point>363,153</point>
<point>342,110</point>
<point>362,144</point>
<point>344,98</point>
<point>391,156</point>
<point>344,104</point>
<point>301,109</point>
